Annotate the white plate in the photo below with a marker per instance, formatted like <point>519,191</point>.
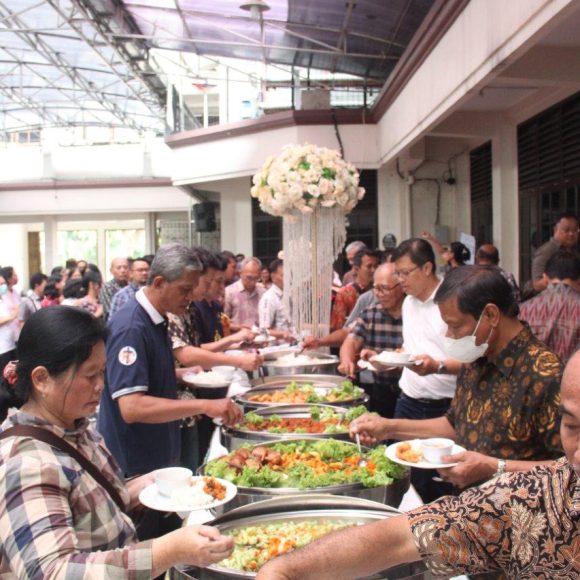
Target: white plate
<point>151,498</point>
<point>365,365</point>
<point>197,381</point>
<point>383,365</point>
<point>423,464</point>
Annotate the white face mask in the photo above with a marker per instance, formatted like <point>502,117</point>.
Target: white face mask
<point>464,349</point>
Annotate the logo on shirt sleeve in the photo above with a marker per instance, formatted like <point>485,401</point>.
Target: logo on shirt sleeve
<point>127,356</point>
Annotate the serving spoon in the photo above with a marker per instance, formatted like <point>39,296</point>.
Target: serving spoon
<point>362,462</point>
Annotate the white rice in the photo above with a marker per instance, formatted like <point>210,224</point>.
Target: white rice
<point>192,495</point>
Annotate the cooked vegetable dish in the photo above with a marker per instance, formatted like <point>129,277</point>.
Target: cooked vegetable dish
<point>255,545</point>
<point>305,464</point>
<point>295,393</point>
<point>320,421</point>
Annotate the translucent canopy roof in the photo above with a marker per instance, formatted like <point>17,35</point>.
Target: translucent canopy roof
<point>89,62</point>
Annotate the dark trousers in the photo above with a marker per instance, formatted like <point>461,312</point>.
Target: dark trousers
<point>422,479</point>
<point>190,456</point>
<point>383,397</point>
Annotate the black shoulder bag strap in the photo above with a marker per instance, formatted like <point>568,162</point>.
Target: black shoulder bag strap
<point>55,441</point>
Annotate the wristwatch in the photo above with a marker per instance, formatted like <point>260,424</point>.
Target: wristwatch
<point>441,369</point>
<point>501,463</point>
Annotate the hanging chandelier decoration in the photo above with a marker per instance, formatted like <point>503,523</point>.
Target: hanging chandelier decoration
<point>312,188</point>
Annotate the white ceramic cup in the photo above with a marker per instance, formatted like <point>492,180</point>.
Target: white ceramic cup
<point>435,448</point>
<point>171,479</point>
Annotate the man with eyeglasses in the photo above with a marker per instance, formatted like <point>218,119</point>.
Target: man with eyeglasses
<point>565,238</point>
<point>427,388</point>
<point>379,327</point>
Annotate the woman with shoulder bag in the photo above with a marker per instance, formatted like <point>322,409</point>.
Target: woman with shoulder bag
<point>63,500</point>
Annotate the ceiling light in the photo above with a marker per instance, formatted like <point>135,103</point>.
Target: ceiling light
<point>255,7</point>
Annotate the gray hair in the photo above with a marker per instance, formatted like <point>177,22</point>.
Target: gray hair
<point>355,246</point>
<point>250,260</point>
<point>172,261</point>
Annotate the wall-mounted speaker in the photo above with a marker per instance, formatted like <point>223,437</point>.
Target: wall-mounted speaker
<point>204,216</point>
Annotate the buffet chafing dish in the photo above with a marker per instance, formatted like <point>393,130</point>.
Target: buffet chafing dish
<point>391,494</point>
<point>322,383</point>
<point>235,436</point>
<point>299,508</point>
<point>325,363</point>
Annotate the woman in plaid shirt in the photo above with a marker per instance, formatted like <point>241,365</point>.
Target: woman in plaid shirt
<point>56,521</point>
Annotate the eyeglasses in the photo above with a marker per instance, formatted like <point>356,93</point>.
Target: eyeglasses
<point>383,288</point>
<point>405,273</point>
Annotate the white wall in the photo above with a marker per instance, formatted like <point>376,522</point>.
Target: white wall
<point>486,37</point>
<point>233,157</point>
<point>115,200</point>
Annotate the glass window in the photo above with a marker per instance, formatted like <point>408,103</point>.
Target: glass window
<point>124,244</point>
<point>77,244</point>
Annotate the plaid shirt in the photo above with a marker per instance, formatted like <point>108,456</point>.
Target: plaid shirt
<point>106,295</point>
<point>55,520</point>
<point>554,316</point>
<point>379,331</point>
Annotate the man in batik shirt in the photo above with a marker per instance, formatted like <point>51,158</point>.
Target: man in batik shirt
<point>554,315</point>
<point>524,524</point>
<point>505,408</point>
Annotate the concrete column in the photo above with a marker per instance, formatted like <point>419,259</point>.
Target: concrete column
<point>236,216</point>
<point>506,217</point>
<point>150,232</point>
<point>50,242</point>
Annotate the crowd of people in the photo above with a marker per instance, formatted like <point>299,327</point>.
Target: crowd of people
<point>487,371</point>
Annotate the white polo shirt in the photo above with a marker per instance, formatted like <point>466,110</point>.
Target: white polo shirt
<point>423,332</point>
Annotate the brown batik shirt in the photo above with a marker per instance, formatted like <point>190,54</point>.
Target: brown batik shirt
<point>524,523</point>
<point>510,408</point>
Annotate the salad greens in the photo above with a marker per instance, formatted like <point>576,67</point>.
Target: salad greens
<point>309,463</point>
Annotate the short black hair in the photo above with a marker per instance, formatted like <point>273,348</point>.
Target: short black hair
<point>6,272</point>
<point>73,288</point>
<point>228,255</point>
<point>460,252</point>
<point>475,287</point>
<point>358,257</point>
<point>222,262</point>
<point>37,279</point>
<point>50,290</point>
<point>207,258</point>
<point>563,265</point>
<point>491,256</point>
<point>419,251</point>
<point>57,271</point>
<point>274,265</point>
<point>566,215</point>
<point>57,338</point>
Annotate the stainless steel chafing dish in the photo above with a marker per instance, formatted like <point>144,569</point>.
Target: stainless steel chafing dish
<point>325,363</point>
<point>299,508</point>
<point>391,494</point>
<point>233,437</point>
<point>321,383</point>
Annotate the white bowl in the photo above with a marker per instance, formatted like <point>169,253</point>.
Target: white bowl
<point>227,372</point>
<point>171,479</point>
<point>435,448</point>
<point>393,357</point>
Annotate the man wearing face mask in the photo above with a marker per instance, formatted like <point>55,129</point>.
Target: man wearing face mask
<point>505,408</point>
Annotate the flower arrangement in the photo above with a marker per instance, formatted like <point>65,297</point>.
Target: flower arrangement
<point>304,177</point>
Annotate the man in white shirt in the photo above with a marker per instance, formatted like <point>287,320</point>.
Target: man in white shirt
<point>427,388</point>
<point>271,311</point>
